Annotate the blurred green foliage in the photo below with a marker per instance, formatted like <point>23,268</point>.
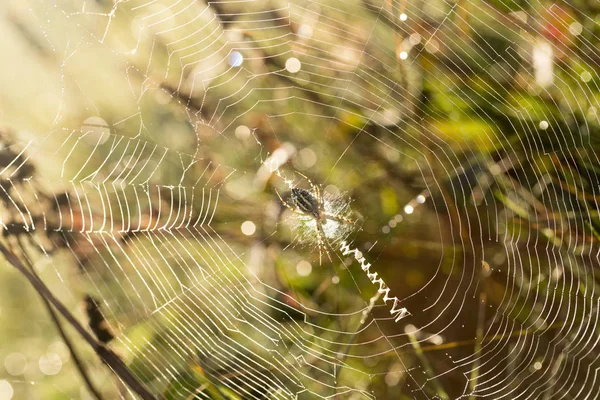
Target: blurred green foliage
<point>507,159</point>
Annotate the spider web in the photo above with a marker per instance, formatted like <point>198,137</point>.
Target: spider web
<point>466,132</point>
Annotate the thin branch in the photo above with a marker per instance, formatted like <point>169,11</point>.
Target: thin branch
<point>475,372</point>
<point>107,355</point>
<point>439,390</point>
<point>78,363</point>
<point>363,320</point>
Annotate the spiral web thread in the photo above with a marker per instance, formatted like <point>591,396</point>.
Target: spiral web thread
<point>180,286</point>
<point>179,294</point>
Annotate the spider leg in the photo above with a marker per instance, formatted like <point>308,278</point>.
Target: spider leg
<point>280,198</point>
<point>339,218</point>
<point>304,176</point>
<point>321,243</point>
<point>319,191</point>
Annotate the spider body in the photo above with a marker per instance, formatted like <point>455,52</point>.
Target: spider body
<point>306,203</point>
<point>310,203</point>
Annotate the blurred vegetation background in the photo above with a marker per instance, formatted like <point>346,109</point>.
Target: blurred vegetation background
<point>462,134</point>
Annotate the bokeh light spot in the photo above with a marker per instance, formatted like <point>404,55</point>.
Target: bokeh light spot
<point>50,364</point>
<point>248,228</point>
<point>242,132</point>
<point>6,390</point>
<point>303,268</point>
<point>292,65</point>
<point>15,364</point>
<point>235,59</point>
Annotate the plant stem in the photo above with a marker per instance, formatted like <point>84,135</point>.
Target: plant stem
<point>425,364</point>
<point>479,335</point>
<point>362,321</point>
<point>78,363</point>
<point>107,355</point>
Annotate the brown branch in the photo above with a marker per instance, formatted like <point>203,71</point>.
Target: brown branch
<point>78,363</point>
<point>107,355</point>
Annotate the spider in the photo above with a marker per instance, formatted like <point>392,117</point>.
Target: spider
<point>310,203</point>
